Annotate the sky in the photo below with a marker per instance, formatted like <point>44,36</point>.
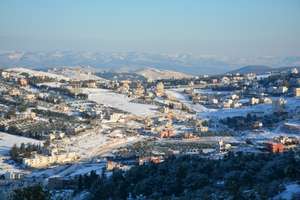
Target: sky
<point>204,27</point>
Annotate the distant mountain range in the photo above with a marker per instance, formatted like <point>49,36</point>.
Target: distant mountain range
<point>132,61</point>
<point>260,69</point>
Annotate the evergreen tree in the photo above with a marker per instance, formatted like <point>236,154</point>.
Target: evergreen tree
<point>30,193</point>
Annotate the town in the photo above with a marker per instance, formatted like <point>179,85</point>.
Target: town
<point>61,124</point>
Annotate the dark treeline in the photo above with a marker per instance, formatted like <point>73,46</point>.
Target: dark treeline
<point>248,121</point>
<point>241,176</point>
<point>236,177</point>
<point>24,151</point>
<point>30,193</point>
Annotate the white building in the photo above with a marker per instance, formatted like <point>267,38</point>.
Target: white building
<point>40,161</point>
<point>294,71</point>
<point>282,89</point>
<point>13,175</point>
<point>266,100</point>
<point>254,101</point>
<point>115,117</point>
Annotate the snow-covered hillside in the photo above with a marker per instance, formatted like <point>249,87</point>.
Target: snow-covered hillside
<point>119,101</point>
<point>155,74</point>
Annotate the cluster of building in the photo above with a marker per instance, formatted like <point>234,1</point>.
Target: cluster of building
<point>56,110</point>
<point>42,161</point>
<point>236,90</point>
<point>282,143</point>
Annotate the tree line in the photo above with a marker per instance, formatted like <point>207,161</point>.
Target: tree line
<point>237,176</point>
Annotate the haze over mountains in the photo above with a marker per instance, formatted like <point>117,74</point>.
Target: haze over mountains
<point>132,61</point>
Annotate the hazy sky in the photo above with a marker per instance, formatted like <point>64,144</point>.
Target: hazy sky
<point>220,27</point>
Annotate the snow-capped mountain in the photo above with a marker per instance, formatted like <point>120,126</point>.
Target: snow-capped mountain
<point>131,61</point>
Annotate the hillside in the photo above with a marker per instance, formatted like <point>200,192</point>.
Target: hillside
<point>261,69</point>
<point>244,176</point>
<point>38,73</point>
<point>76,73</point>
<point>155,74</point>
<point>257,69</point>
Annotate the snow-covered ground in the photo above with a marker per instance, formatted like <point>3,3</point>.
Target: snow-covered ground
<point>6,142</point>
<point>94,143</point>
<point>243,111</point>
<point>51,84</point>
<point>208,139</point>
<point>69,170</point>
<point>88,146</point>
<point>291,190</point>
<point>37,73</point>
<point>84,145</point>
<point>180,96</point>
<point>77,74</point>
<point>291,105</point>
<point>209,91</point>
<point>265,135</point>
<point>204,112</point>
<point>119,101</point>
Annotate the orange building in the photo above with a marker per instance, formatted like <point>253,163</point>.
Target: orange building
<point>151,159</point>
<point>275,147</point>
<point>166,133</point>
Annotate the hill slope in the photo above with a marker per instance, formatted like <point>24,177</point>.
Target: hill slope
<point>155,74</point>
<point>257,69</point>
